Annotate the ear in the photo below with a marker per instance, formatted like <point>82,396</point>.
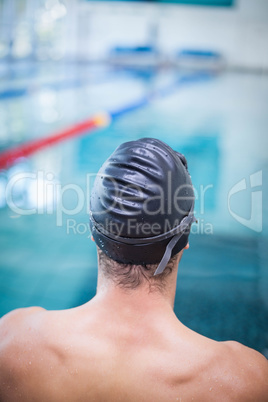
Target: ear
<point>187,246</point>
<point>92,239</point>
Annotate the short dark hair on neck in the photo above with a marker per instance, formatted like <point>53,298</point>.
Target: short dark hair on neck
<point>131,276</point>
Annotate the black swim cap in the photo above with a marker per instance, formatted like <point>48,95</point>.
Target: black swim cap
<point>142,201</point>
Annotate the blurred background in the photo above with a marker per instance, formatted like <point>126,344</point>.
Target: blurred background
<point>191,73</point>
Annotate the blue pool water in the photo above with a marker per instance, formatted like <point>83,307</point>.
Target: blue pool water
<point>48,259</point>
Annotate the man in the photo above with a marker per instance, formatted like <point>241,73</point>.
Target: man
<point>126,344</point>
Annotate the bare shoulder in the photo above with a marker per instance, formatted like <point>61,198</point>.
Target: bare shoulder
<point>249,371</point>
<point>17,330</point>
<point>20,313</point>
<point>248,357</point>
<point>16,327</point>
<point>16,321</point>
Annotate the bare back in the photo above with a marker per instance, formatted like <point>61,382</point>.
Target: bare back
<point>84,355</point>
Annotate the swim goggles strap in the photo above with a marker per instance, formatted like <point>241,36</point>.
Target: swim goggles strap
<point>185,223</point>
<point>166,257</point>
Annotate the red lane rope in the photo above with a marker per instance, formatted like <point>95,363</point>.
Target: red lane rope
<point>9,156</point>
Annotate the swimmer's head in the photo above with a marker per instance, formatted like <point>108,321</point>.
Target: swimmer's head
<point>141,206</point>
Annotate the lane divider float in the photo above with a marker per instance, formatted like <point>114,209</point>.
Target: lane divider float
<point>100,120</point>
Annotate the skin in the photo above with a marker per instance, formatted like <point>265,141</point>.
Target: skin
<point>123,345</point>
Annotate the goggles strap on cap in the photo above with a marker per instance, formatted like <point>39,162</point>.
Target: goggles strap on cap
<point>185,223</point>
<point>166,257</point>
